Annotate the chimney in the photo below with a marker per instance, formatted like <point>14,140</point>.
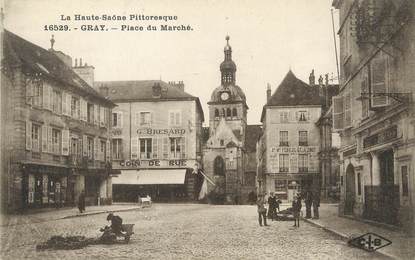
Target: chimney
<point>268,91</point>
<point>86,72</point>
<point>179,85</point>
<point>312,78</point>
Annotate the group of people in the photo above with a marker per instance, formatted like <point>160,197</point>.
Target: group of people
<point>274,205</point>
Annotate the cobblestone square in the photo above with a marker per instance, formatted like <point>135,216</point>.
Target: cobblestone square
<point>183,231</point>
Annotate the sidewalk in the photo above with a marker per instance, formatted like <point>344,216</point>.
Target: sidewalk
<point>402,247</point>
<point>52,214</point>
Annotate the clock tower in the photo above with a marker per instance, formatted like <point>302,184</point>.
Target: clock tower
<point>228,101</point>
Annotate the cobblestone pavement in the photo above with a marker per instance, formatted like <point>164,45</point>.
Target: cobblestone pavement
<point>183,231</point>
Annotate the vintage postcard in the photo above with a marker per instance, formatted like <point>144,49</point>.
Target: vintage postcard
<point>272,129</point>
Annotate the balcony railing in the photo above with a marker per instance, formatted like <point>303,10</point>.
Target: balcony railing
<point>283,143</point>
<point>303,169</point>
<point>303,143</point>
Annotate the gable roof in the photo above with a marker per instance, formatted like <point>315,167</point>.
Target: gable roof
<point>293,92</point>
<point>142,90</point>
<point>19,52</point>
<point>253,132</point>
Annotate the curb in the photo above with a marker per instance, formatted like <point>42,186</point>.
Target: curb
<point>344,237</point>
<point>100,212</point>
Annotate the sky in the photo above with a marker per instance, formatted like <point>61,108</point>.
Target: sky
<point>268,38</point>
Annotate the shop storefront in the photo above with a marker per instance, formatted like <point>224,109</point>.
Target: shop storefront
<point>46,186</point>
<point>163,185</point>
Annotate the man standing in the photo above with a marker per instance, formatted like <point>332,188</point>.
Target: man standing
<point>316,204</point>
<point>308,202</point>
<point>296,210</point>
<point>81,202</point>
<point>272,204</point>
<point>262,210</point>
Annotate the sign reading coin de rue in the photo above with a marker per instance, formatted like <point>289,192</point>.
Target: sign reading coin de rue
<point>153,163</point>
<point>165,131</point>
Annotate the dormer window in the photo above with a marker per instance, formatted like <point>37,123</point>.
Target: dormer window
<point>222,142</point>
<point>228,112</point>
<point>234,112</point>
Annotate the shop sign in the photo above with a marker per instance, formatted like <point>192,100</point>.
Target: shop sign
<point>165,131</point>
<point>153,163</point>
<point>298,149</point>
<point>381,137</point>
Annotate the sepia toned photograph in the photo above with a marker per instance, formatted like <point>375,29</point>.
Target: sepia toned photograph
<point>207,129</point>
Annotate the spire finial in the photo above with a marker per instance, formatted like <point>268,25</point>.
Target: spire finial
<point>227,39</point>
<point>52,42</point>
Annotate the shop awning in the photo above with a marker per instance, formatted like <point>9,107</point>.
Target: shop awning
<point>148,177</point>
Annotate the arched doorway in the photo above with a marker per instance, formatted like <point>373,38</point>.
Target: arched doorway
<point>219,174</point>
<point>350,190</point>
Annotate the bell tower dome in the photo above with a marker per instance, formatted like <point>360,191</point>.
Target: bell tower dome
<point>228,67</point>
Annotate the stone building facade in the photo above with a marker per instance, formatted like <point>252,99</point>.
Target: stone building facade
<point>156,140</point>
<point>291,139</point>
<point>227,154</point>
<point>374,111</point>
<point>57,129</point>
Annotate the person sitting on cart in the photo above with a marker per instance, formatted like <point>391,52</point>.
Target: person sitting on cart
<point>116,224</point>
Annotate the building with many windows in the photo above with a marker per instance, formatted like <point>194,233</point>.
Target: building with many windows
<point>374,111</point>
<point>57,128</point>
<point>156,139</point>
<point>291,139</point>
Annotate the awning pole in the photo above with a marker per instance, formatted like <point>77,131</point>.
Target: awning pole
<point>207,178</point>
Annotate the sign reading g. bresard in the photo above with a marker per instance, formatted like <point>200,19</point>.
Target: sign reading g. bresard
<point>163,131</point>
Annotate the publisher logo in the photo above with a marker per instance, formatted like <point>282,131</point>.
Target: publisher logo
<point>369,242</point>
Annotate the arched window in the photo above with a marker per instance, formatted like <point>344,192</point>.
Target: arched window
<point>223,112</point>
<point>234,112</point>
<point>219,166</point>
<point>228,112</point>
<point>216,112</point>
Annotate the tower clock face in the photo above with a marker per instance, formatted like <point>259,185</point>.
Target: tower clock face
<point>224,96</point>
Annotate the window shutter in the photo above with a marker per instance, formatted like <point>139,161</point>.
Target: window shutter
<point>50,148</point>
<point>96,148</point>
<point>120,119</point>
<point>151,118</point>
<point>347,110</point>
<point>297,116</point>
<point>178,119</point>
<point>183,147</point>
<point>64,107</point>
<point>51,99</point>
<point>65,142</point>
<point>44,138</point>
<point>172,118</point>
<point>293,163</point>
<point>138,119</point>
<point>46,97</point>
<point>96,114</point>
<point>379,81</point>
<point>308,116</point>
<point>365,90</point>
<point>155,148</point>
<point>28,135</point>
<point>85,145</point>
<point>29,92</point>
<point>102,116</point>
<point>165,147</point>
<point>82,104</point>
<point>337,113</point>
<point>68,104</point>
<point>108,150</point>
<point>134,148</point>
<point>313,162</point>
<point>291,116</point>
